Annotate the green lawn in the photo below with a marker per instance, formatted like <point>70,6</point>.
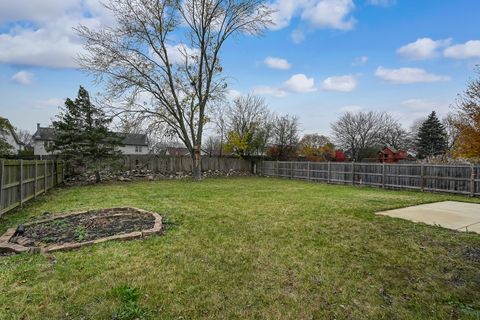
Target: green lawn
<point>249,248</point>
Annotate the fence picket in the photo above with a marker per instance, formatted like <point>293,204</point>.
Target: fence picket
<point>2,178</point>
<point>19,181</point>
<point>459,179</point>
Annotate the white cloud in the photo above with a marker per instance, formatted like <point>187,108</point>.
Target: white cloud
<point>383,3</point>
<point>333,14</point>
<point>266,90</point>
<point>41,47</point>
<point>22,10</point>
<point>340,83</point>
<point>277,63</point>
<point>297,36</point>
<point>408,75</point>
<point>300,83</point>
<point>425,105</point>
<point>423,48</point>
<point>418,104</point>
<point>284,10</point>
<point>352,109</point>
<point>48,39</point>
<point>360,61</point>
<point>179,52</point>
<point>470,49</point>
<point>233,94</point>
<point>23,77</point>
<point>49,103</point>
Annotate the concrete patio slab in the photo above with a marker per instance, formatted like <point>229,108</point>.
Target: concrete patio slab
<point>453,215</point>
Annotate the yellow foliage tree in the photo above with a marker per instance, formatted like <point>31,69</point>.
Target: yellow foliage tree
<point>316,148</point>
<point>467,122</point>
<point>237,144</point>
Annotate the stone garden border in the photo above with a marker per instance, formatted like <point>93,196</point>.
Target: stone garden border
<point>5,245</point>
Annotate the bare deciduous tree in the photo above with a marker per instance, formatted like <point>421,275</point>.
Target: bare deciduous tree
<point>449,122</point>
<point>169,49</point>
<point>158,135</point>
<point>359,132</point>
<point>248,125</point>
<point>213,146</point>
<point>396,136</point>
<point>25,136</point>
<point>219,120</point>
<point>285,136</point>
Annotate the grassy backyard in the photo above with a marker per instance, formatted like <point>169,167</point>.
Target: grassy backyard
<point>249,248</point>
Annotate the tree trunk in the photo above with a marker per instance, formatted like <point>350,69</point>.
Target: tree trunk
<point>197,164</point>
<point>97,176</point>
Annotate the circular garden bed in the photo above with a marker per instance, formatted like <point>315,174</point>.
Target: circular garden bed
<point>73,230</point>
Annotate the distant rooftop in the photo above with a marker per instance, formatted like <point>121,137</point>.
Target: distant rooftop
<point>133,139</point>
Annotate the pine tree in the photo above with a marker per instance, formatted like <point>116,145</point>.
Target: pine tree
<point>432,137</point>
<point>82,136</point>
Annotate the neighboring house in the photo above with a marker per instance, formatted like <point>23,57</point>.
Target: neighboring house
<point>391,155</point>
<point>11,137</point>
<point>133,144</point>
<point>177,152</point>
<point>339,156</point>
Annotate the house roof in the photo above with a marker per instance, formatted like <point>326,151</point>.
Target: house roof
<point>389,148</point>
<point>12,130</point>
<point>132,139</point>
<point>44,134</point>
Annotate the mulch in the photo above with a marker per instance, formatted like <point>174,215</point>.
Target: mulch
<point>86,227</point>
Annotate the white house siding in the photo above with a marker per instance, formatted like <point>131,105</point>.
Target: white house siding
<point>39,149</point>
<point>132,150</point>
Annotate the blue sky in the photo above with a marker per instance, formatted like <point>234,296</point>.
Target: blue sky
<point>322,58</point>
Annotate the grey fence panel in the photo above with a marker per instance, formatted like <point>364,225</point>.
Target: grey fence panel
<point>171,164</point>
<point>458,179</point>
<point>22,180</point>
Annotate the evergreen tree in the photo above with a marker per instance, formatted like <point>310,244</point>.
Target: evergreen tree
<point>82,135</point>
<point>432,137</point>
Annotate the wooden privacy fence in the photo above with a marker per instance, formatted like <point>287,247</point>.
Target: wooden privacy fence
<point>170,164</point>
<point>459,179</point>
<point>22,180</point>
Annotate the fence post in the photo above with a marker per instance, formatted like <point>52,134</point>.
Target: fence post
<point>422,179</point>
<point>276,170</point>
<point>291,170</point>
<point>2,178</point>
<point>20,186</point>
<point>353,172</point>
<point>383,175</point>
<point>53,173</point>
<point>472,181</point>
<point>308,170</point>
<point>45,176</point>
<point>35,182</point>
<point>328,171</point>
